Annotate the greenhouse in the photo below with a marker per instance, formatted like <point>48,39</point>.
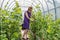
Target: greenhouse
<point>44,23</point>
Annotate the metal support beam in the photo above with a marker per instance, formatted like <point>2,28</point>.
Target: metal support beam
<point>47,6</point>
<point>2,3</point>
<point>55,9</point>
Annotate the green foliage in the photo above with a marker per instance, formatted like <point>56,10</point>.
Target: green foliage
<point>10,24</point>
<point>45,27</point>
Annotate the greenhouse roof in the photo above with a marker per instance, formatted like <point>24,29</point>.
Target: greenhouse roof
<point>46,6</point>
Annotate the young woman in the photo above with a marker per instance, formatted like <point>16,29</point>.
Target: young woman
<point>25,26</point>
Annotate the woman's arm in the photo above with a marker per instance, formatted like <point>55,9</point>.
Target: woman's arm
<point>27,15</point>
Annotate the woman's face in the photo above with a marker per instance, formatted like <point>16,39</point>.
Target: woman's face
<point>30,9</point>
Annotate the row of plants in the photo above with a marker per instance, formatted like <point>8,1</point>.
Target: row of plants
<point>44,27</point>
<point>10,23</point>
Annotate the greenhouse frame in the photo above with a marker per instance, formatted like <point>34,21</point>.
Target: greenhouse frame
<point>47,6</point>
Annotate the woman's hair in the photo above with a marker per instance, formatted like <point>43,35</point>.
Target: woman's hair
<point>29,8</point>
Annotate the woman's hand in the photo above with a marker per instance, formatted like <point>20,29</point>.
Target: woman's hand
<point>31,19</point>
